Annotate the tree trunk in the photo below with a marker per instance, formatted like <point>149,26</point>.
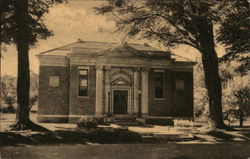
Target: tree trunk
<point>23,121</point>
<point>213,85</point>
<point>23,79</point>
<point>211,69</point>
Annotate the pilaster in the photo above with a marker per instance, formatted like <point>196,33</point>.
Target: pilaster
<point>136,90</point>
<point>99,90</point>
<point>107,90</point>
<point>144,91</point>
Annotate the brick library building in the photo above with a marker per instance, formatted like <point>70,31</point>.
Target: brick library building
<point>105,80</point>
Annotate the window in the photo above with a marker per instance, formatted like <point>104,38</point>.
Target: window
<point>179,85</point>
<point>54,81</point>
<point>158,81</point>
<point>83,82</point>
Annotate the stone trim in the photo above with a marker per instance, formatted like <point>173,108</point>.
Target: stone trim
<point>53,61</point>
<point>120,62</point>
<point>83,67</point>
<point>159,70</point>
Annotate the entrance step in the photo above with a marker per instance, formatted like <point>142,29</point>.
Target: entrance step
<point>157,121</point>
<point>124,121</point>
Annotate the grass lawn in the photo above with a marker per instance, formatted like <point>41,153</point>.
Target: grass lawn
<point>63,142</point>
<point>66,133</point>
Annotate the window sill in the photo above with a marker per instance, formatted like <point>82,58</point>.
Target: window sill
<point>82,96</point>
<point>159,99</point>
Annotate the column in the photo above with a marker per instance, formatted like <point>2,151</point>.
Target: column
<point>99,90</point>
<point>136,91</point>
<point>144,92</point>
<point>107,90</point>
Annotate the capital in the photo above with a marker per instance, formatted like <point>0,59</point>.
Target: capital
<point>145,69</point>
<point>136,69</point>
<point>99,67</point>
<point>107,67</point>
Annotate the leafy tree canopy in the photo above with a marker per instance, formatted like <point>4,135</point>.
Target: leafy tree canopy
<point>178,22</point>
<point>35,29</point>
<point>234,28</point>
<point>234,34</point>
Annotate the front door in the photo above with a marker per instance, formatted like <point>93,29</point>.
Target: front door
<point>120,102</point>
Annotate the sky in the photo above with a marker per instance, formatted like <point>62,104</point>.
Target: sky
<point>77,20</point>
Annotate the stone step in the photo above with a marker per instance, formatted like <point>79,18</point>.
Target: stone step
<point>120,120</point>
<point>157,121</point>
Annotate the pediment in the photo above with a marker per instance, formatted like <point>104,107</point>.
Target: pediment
<point>122,52</point>
<point>121,81</point>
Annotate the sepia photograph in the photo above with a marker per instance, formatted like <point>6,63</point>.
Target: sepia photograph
<point>125,79</point>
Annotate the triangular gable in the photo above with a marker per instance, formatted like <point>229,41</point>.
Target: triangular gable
<point>122,51</point>
<point>121,81</point>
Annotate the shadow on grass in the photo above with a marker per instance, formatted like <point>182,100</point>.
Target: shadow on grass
<point>224,136</point>
<point>246,133</point>
<point>63,128</point>
<point>69,137</point>
<point>221,135</point>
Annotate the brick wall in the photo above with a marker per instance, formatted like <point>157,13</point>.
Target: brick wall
<point>82,105</point>
<point>183,99</point>
<point>160,107</point>
<point>53,100</point>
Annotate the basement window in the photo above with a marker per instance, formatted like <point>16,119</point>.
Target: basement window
<point>54,81</point>
<point>83,82</point>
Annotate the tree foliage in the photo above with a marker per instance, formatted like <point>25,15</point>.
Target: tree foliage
<point>234,34</point>
<point>234,30</point>
<point>236,92</point>
<point>200,92</point>
<point>170,22</point>
<point>8,89</point>
<point>35,29</point>
<point>8,86</point>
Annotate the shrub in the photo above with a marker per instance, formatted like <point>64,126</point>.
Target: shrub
<point>87,122</point>
<point>183,123</point>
